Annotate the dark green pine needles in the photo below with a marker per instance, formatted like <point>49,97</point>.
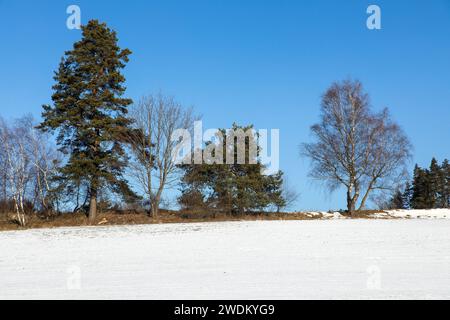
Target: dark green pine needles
<point>90,114</point>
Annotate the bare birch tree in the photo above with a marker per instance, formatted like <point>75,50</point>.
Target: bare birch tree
<point>4,167</point>
<point>44,164</point>
<point>156,118</point>
<point>17,166</point>
<point>3,171</point>
<point>355,148</point>
<point>28,162</point>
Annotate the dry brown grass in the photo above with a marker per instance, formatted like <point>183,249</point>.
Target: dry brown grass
<point>366,214</point>
<point>134,218</point>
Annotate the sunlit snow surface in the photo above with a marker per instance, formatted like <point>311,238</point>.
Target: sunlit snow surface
<point>319,259</point>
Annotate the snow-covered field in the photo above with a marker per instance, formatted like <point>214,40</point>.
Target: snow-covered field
<point>396,214</point>
<point>330,259</point>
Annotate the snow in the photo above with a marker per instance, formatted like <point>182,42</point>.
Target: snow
<point>317,259</point>
<point>421,214</point>
<point>399,214</point>
<point>325,215</point>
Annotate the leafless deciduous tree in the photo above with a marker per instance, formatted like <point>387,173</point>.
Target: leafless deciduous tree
<point>156,119</point>
<point>28,162</point>
<point>16,166</point>
<point>44,164</point>
<point>354,147</point>
<point>3,167</point>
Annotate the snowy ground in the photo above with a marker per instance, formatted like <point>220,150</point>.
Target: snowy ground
<point>332,259</point>
<point>421,214</point>
<point>397,214</point>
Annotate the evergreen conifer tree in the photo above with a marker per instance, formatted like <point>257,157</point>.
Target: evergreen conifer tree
<point>446,184</point>
<point>435,184</point>
<point>397,201</point>
<point>420,189</point>
<point>90,114</point>
<point>231,188</point>
<point>407,196</point>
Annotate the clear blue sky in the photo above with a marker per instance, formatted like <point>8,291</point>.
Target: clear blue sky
<point>261,62</point>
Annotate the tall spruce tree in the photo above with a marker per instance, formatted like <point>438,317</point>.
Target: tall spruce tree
<point>420,189</point>
<point>435,184</point>
<point>90,114</point>
<point>407,196</point>
<point>446,183</point>
<point>440,178</point>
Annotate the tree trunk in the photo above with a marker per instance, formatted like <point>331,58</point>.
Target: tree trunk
<point>4,183</point>
<point>155,211</point>
<point>149,191</point>
<point>353,193</point>
<point>157,199</point>
<point>364,200</point>
<point>93,206</point>
<point>350,204</point>
<point>366,195</point>
<point>155,206</point>
<point>351,201</point>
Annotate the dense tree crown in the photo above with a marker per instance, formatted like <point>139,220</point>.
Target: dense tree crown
<point>232,188</point>
<point>89,112</point>
<point>430,188</point>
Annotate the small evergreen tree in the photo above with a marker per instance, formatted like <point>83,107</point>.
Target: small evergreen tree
<point>407,196</point>
<point>89,112</point>
<point>236,188</point>
<point>397,201</point>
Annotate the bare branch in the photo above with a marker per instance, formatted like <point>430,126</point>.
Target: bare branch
<point>355,148</point>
